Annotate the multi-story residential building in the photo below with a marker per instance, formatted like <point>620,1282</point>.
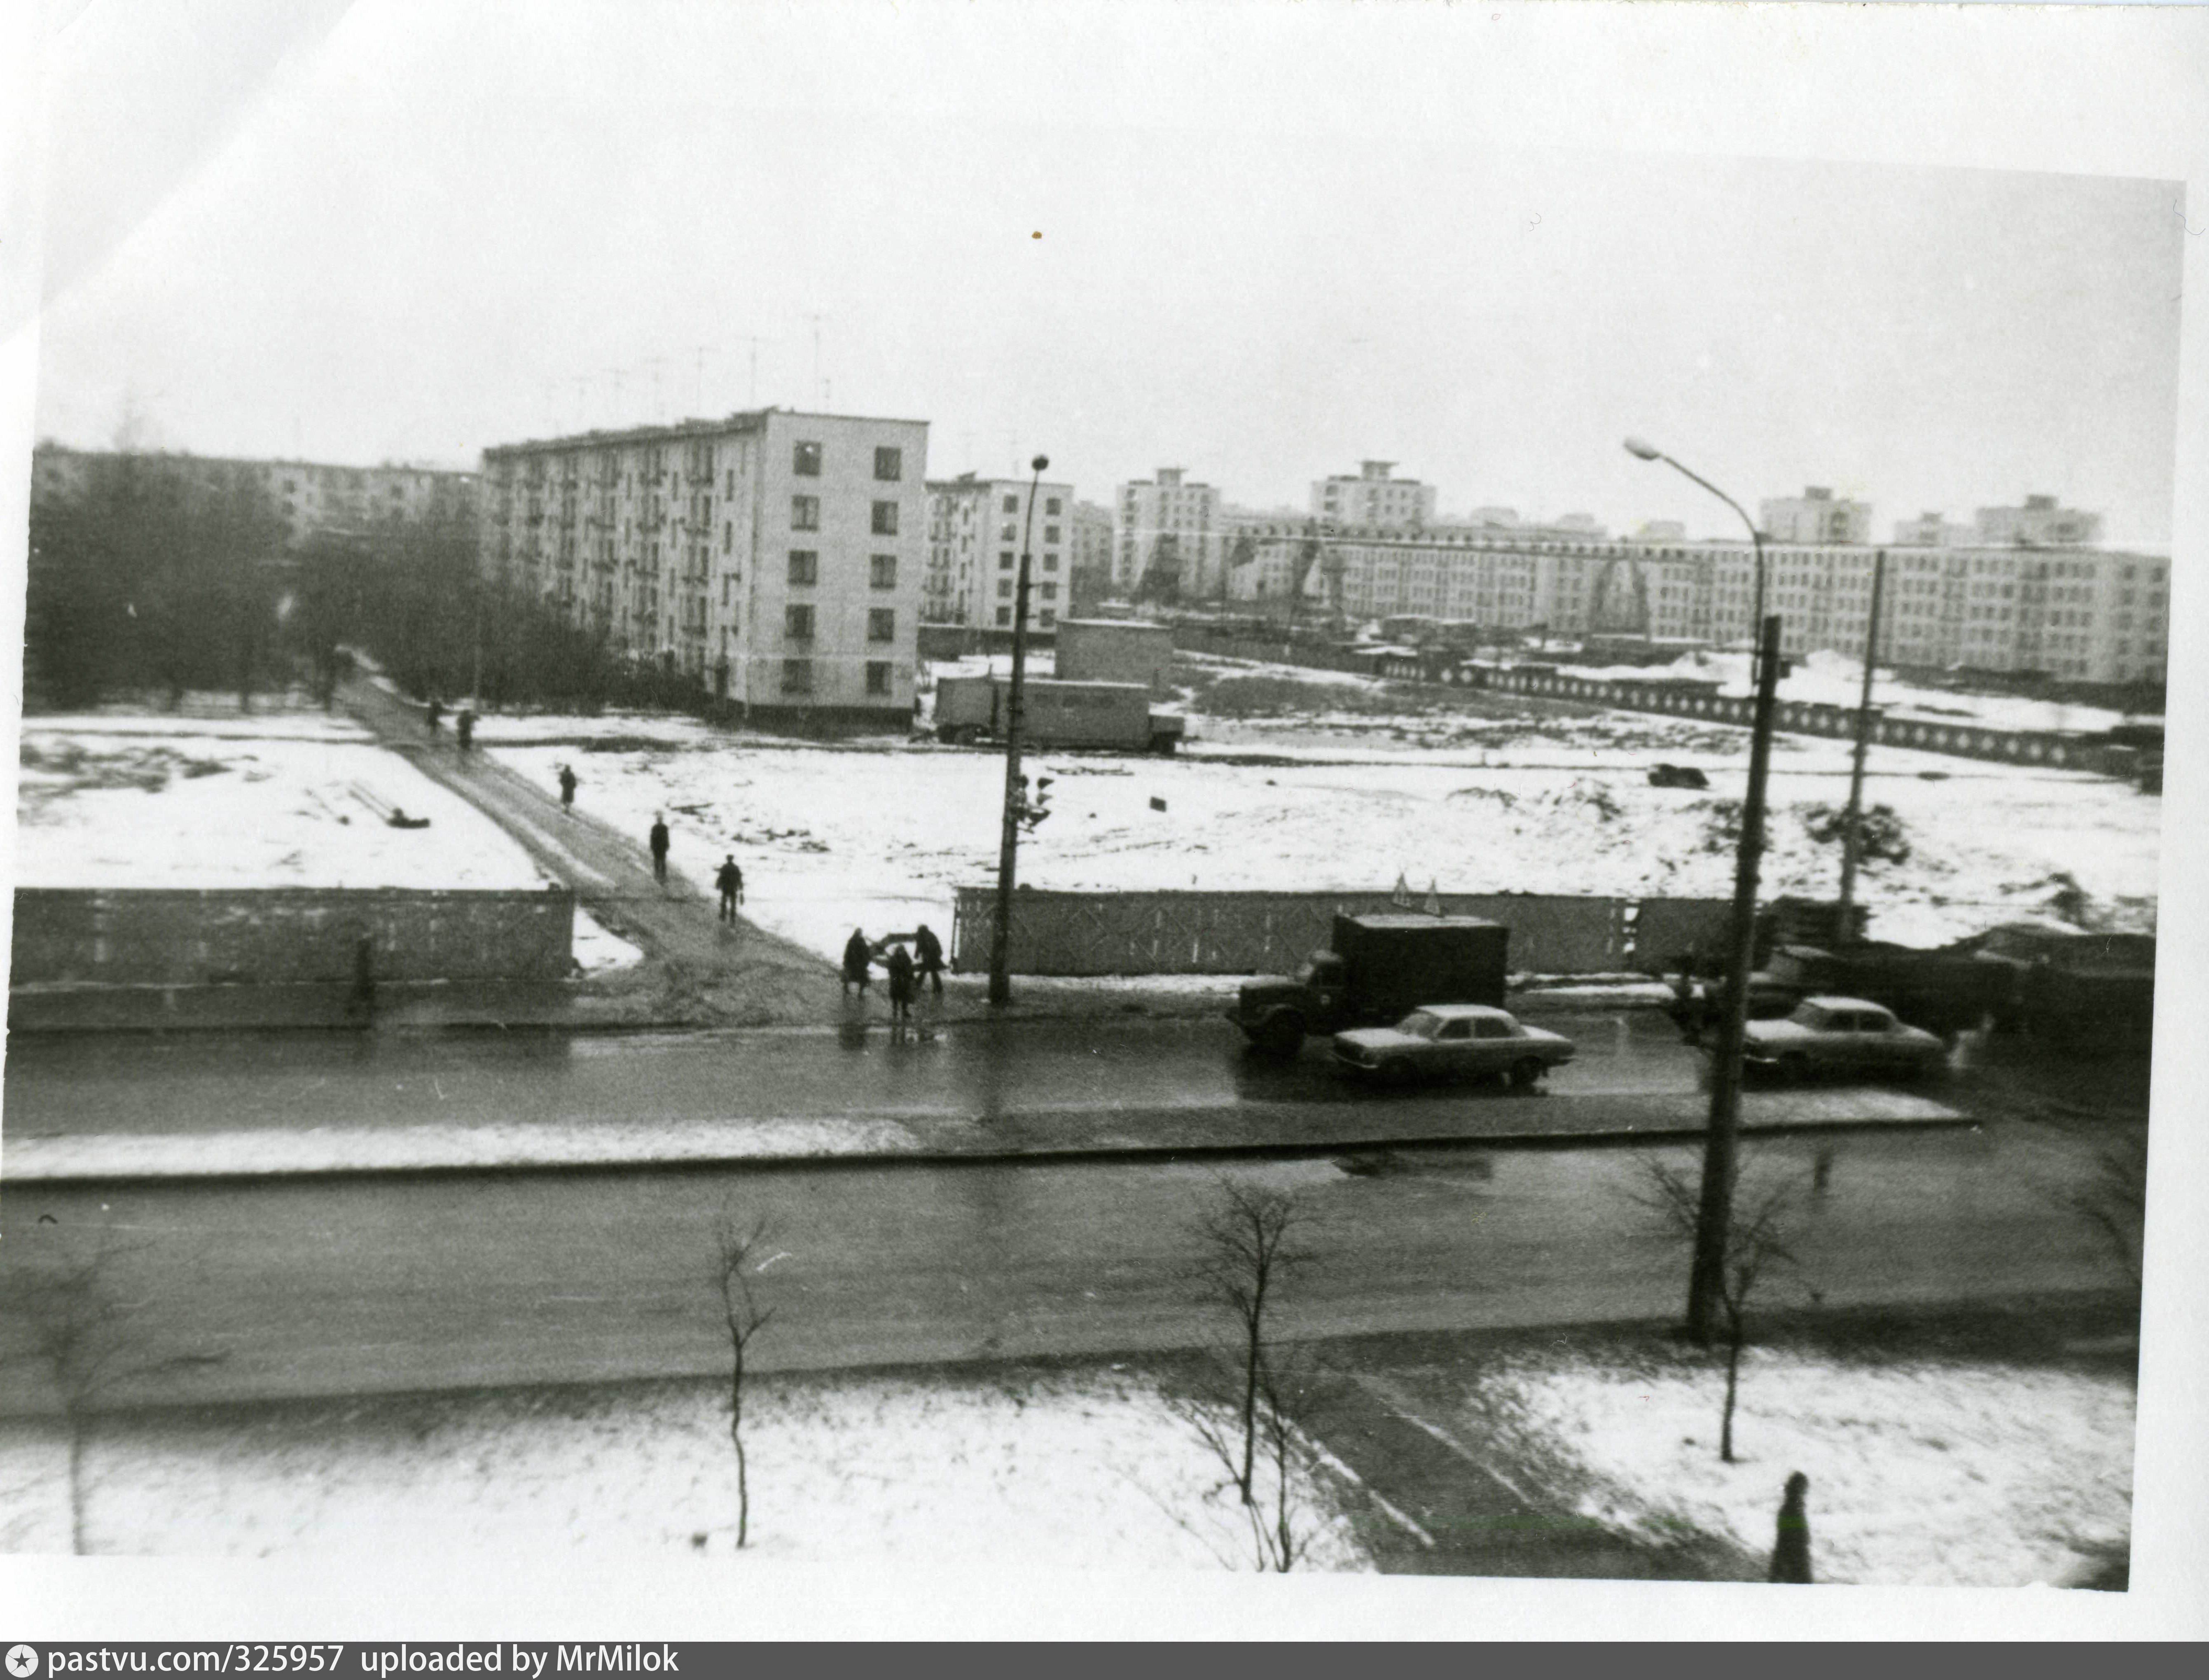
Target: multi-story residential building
<point>975,527</point>
<point>1815,517</point>
<point>775,557</point>
<point>1374,500</point>
<point>1091,560</point>
<point>1167,527</point>
<point>1930,530</point>
<point>2087,615</point>
<point>2039,524</point>
<point>314,498</point>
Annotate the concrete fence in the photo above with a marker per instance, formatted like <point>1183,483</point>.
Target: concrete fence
<point>1270,933</point>
<point>287,935</point>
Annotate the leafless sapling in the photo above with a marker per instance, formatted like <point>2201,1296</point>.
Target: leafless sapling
<point>1245,1233</point>
<point>737,1245</point>
<point>1755,1244</point>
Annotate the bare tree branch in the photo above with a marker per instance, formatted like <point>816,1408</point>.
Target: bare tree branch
<point>735,1244</point>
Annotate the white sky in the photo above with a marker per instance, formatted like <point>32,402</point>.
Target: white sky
<point>1273,245</point>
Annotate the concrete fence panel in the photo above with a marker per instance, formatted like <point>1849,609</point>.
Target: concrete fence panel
<point>287,935</point>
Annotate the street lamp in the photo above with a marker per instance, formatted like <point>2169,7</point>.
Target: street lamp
<point>1714,1207</point>
<point>1008,833</point>
<point>1644,450</point>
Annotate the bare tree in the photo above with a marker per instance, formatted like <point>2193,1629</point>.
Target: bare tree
<point>1755,1244</point>
<point>64,1301</point>
<point>736,1243</point>
<point>1245,1235</point>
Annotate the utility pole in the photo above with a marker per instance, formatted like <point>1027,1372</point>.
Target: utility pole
<point>1008,834</point>
<point>1851,839</point>
<point>1714,1213</point>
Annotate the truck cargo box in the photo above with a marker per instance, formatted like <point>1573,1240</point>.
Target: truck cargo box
<point>1394,963</point>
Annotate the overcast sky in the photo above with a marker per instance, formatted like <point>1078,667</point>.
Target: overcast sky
<point>1271,242</point>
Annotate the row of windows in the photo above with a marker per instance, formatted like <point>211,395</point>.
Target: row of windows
<point>805,462</point>
<point>797,677</point>
<point>805,515</point>
<point>798,622</point>
<point>805,569</point>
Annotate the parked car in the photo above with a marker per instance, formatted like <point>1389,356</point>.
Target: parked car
<point>1455,1041</point>
<point>1946,991</point>
<point>1677,775</point>
<point>1841,1035</point>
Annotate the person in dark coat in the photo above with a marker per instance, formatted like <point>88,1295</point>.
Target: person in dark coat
<point>859,958</point>
<point>899,965</point>
<point>435,714</point>
<point>1790,1549</point>
<point>568,789</point>
<point>465,726</point>
<point>730,880</point>
<point>928,949</point>
<point>659,843</point>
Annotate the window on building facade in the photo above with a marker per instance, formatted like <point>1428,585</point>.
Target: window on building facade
<point>805,513</point>
<point>881,623</point>
<point>1004,559</point>
<point>882,571</point>
<point>1007,530</point>
<point>1004,588</point>
<point>798,622</point>
<point>1049,617</point>
<point>890,464</point>
<point>804,566</point>
<point>1012,504</point>
<point>878,676</point>
<point>805,460</point>
<point>1004,615</point>
<point>1051,533</point>
<point>886,515</point>
<point>1050,563</point>
<point>1050,505</point>
<point>797,677</point>
<point>1051,591</point>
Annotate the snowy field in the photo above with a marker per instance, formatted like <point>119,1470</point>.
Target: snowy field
<point>1921,1473</point>
<point>1077,1470</point>
<point>269,799</point>
<point>1345,794</point>
<point>1828,678</point>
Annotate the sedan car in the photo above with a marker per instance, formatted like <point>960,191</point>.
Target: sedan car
<point>1455,1041</point>
<point>1841,1035</point>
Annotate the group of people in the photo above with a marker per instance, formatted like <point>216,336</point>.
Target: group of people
<point>464,721</point>
<point>907,969</point>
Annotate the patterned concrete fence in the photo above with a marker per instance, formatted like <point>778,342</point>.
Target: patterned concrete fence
<point>287,935</point>
<point>1272,933</point>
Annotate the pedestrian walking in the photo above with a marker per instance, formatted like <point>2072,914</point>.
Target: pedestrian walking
<point>730,880</point>
<point>859,958</point>
<point>899,965</point>
<point>568,789</point>
<point>929,950</point>
<point>1791,1548</point>
<point>465,726</point>
<point>657,840</point>
<point>435,714</point>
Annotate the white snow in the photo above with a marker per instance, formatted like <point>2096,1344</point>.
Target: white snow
<point>261,801</point>
<point>1921,1473</point>
<point>1824,677</point>
<point>1057,1469</point>
<point>595,950</point>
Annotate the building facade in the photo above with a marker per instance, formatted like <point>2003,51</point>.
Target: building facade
<point>776,558</point>
<point>975,527</point>
<point>314,498</point>
<point>1169,538</point>
<point>1091,560</point>
<point>1374,500</point>
<point>2039,524</point>
<point>1815,517</point>
<point>2083,614</point>
<point>1931,530</point>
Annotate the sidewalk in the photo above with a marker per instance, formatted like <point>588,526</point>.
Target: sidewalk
<point>1361,1136</point>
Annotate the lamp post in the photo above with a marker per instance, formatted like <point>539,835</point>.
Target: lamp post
<point>1646,450</point>
<point>1008,833</point>
<point>1714,1208</point>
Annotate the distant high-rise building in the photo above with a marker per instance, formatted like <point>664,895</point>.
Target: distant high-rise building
<point>775,559</point>
<point>1169,538</point>
<point>1815,517</point>
<point>1374,500</point>
<point>2039,524</point>
<point>975,527</point>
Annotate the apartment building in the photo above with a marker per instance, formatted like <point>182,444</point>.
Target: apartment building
<point>1374,500</point>
<point>1815,517</point>
<point>2039,524</point>
<point>775,557</point>
<point>1091,560</point>
<point>1168,533</point>
<point>975,528</point>
<point>1931,530</point>
<point>2084,614</point>
<point>314,498</point>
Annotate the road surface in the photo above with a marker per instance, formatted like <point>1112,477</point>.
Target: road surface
<point>246,1290</point>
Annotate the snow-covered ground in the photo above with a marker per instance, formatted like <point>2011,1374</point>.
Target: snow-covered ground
<point>876,835</point>
<point>1921,1473</point>
<point>1828,678</point>
<point>266,799</point>
<point>1070,1469</point>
